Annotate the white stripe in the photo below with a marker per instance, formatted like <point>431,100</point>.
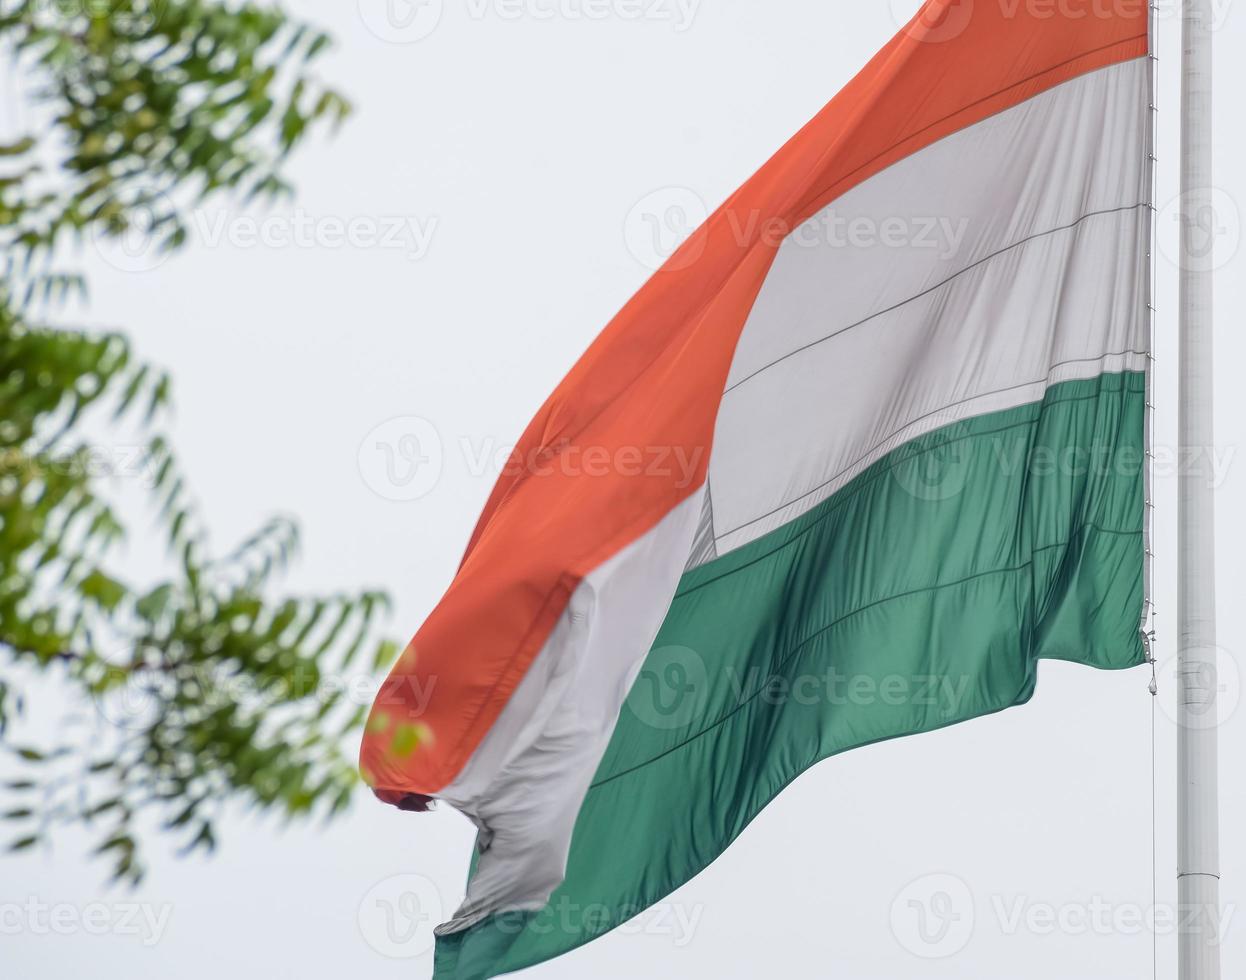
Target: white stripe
<point>524,785</point>
<point>964,279</point>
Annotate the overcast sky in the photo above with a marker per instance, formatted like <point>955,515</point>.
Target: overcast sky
<point>488,208</point>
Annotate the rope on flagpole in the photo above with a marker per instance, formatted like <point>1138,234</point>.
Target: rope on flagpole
<point>1149,613</point>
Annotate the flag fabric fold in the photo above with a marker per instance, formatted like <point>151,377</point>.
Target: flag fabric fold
<point>869,446</point>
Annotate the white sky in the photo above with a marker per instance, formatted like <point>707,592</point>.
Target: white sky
<point>517,148</point>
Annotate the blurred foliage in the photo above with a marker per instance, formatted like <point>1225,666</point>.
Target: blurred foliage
<point>206,688</point>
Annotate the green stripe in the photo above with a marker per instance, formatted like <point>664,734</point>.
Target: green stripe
<point>920,595</point>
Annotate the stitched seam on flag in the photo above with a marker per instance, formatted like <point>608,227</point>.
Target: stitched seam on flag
<point>795,651</point>
<point>844,497</point>
<point>922,418</point>
<point>833,195</point>
<point>937,286</point>
<point>709,505</point>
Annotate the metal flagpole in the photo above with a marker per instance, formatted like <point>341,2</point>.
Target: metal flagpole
<point>1198,821</point>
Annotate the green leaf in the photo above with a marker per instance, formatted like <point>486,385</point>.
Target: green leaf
<point>24,145</point>
<point>106,591</point>
<point>407,738</point>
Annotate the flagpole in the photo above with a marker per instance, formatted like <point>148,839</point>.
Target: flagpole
<point>1198,830</point>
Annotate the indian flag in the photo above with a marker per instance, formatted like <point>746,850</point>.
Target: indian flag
<point>869,446</point>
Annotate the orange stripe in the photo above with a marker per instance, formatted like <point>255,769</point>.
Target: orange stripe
<point>654,378</point>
